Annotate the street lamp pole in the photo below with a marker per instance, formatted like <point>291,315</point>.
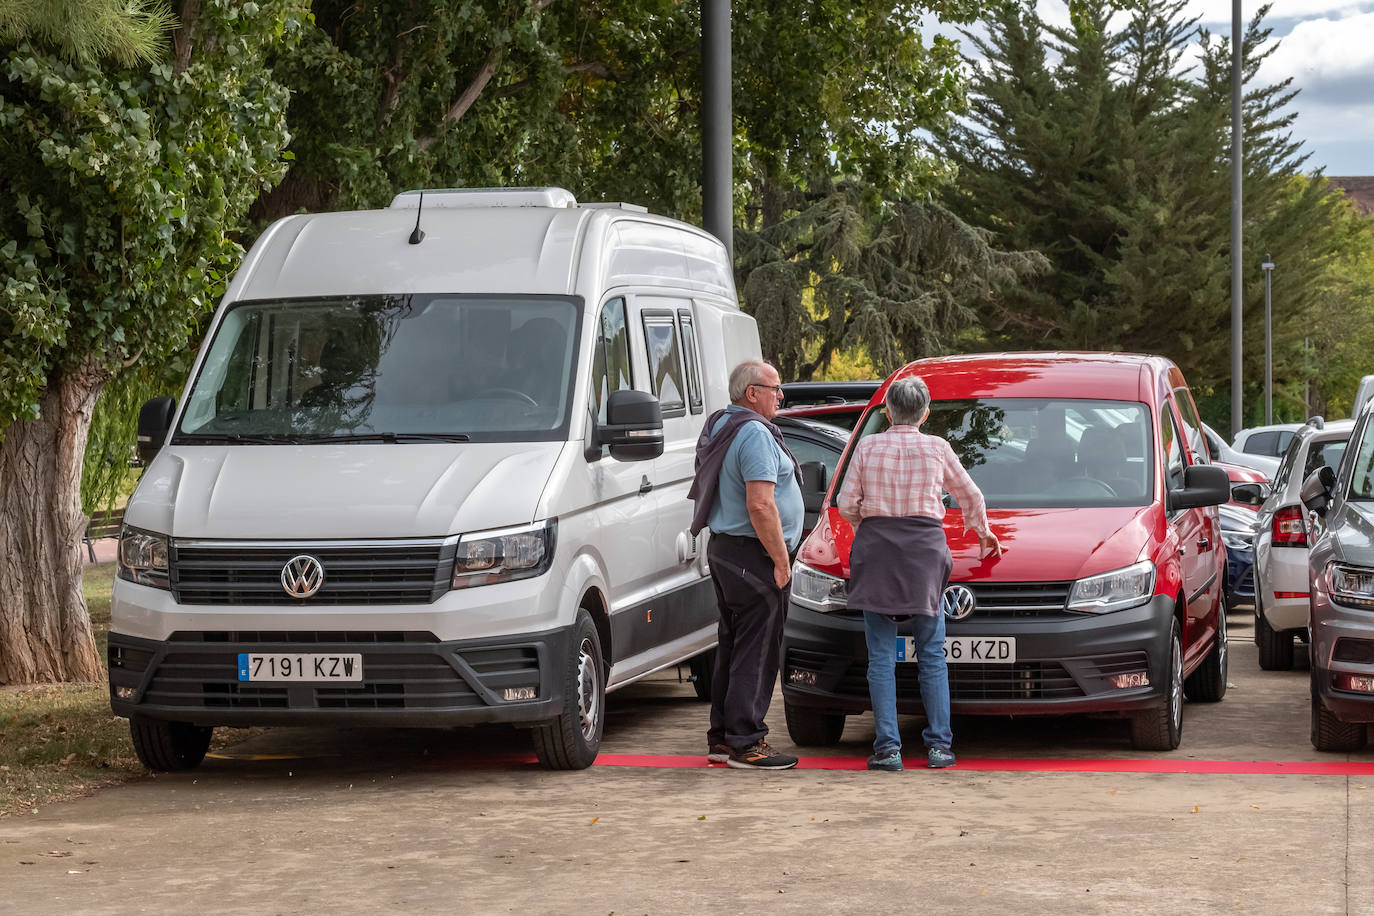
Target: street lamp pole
<point>717,124</point>
<point>1268,266</point>
<point>1237,160</point>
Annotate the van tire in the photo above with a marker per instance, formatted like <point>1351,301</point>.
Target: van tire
<point>703,668</point>
<point>811,727</point>
<point>1207,683</point>
<point>1275,646</point>
<point>1330,733</point>
<point>571,740</point>
<point>1161,728</point>
<point>164,746</point>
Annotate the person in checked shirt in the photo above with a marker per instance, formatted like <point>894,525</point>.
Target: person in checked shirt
<point>900,563</point>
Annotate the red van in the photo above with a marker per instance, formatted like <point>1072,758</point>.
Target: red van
<point>1108,595</point>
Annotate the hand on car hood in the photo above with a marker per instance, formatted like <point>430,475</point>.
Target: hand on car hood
<point>341,491</point>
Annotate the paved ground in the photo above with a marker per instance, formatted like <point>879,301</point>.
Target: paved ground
<point>424,822</point>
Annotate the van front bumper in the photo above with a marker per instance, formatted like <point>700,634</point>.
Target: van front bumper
<point>1063,663</point>
<point>408,679</point>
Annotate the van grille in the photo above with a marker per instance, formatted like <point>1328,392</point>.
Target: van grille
<point>355,572</point>
<point>1010,599</point>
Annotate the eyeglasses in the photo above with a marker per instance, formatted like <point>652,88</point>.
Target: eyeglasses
<point>777,389</point>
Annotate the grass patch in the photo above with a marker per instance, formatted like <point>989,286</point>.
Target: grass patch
<point>61,741</point>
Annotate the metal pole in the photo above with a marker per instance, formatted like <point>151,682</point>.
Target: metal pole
<point>1237,157</point>
<point>717,128</point>
<point>1268,266</point>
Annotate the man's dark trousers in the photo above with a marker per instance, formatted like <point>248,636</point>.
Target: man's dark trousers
<point>749,639</point>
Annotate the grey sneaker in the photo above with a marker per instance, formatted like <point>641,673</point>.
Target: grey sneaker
<point>760,757</point>
<point>718,753</point>
<point>939,757</point>
<point>891,762</point>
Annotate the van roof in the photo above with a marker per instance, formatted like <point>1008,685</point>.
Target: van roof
<point>1063,374</point>
<point>540,246</point>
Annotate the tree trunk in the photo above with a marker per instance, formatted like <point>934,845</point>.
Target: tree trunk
<point>45,628</point>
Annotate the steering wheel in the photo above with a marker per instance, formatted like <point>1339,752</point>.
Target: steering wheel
<point>509,394</point>
<point>1082,486</point>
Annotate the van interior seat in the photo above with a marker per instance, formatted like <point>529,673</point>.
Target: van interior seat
<point>1050,457</point>
<point>1102,454</point>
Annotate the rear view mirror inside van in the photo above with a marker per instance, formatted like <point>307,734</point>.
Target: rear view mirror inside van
<point>633,427</point>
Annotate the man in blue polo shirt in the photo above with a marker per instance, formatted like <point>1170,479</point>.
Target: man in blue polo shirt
<point>748,490</point>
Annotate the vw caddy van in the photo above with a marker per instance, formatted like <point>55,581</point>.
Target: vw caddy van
<point>430,469</point>
<point>1107,598</point>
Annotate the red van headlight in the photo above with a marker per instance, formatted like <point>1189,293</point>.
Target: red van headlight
<point>1115,590</point>
<point>818,591</point>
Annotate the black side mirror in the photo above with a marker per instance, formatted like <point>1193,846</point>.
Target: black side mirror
<point>1249,494</point>
<point>154,423</point>
<point>633,427</point>
<point>1316,489</point>
<point>1203,485</point>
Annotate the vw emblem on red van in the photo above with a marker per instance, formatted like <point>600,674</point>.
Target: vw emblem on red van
<point>957,602</point>
<point>302,576</point>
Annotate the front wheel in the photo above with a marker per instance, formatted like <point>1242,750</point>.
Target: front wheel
<point>1330,733</point>
<point>165,746</point>
<point>812,727</point>
<point>1161,728</point>
<point>571,740</point>
<point>1207,683</point>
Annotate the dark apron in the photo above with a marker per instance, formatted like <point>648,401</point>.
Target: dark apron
<point>899,565</point>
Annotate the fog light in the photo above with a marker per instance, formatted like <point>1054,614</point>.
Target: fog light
<point>518,693</point>
<point>1130,679</point>
<point>801,677</point>
<point>124,693</point>
<point>1360,683</point>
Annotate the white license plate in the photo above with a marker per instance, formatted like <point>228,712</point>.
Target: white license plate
<point>961,650</point>
<point>299,667</point>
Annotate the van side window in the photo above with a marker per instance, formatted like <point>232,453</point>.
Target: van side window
<point>665,362</point>
<point>1173,452</point>
<point>1192,426</point>
<point>611,357</point>
<point>689,352</point>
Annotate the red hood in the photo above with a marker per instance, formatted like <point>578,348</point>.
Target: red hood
<point>1038,545</point>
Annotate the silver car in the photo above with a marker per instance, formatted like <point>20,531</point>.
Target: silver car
<point>1281,541</point>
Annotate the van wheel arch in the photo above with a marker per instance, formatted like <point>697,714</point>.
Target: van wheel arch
<point>594,603</point>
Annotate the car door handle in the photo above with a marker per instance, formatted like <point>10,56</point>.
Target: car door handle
<point>644,485</point>
<point>1204,543</point>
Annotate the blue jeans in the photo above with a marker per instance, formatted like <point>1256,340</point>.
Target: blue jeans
<point>881,634</point>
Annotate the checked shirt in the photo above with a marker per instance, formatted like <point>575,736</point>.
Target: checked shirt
<point>903,471</point>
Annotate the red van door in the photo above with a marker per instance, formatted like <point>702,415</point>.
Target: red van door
<point>1197,543</point>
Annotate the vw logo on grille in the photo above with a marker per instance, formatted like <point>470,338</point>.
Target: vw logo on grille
<point>302,576</point>
<point>957,602</point>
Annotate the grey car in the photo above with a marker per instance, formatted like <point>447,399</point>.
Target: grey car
<point>1340,568</point>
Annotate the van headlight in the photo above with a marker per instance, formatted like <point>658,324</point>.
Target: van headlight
<point>1115,590</point>
<point>1352,586</point>
<point>505,555</point>
<point>143,557</point>
<point>816,590</point>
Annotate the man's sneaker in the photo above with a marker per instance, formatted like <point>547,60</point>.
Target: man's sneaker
<point>939,758</point>
<point>718,753</point>
<point>891,762</point>
<point>760,757</point>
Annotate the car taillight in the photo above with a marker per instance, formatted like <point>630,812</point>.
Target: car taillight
<point>1288,528</point>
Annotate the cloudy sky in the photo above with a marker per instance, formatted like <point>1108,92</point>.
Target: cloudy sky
<point>1327,47</point>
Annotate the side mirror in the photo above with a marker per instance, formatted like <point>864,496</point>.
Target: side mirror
<point>1316,489</point>
<point>154,423</point>
<point>1203,485</point>
<point>814,481</point>
<point>633,427</point>
<point>1249,494</point>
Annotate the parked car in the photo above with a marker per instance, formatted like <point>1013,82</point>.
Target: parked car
<point>837,403</point>
<point>817,447</point>
<point>1340,570</point>
<point>1282,596</point>
<point>1108,596</point>
<point>1221,452</point>
<point>1271,440</point>
<point>1238,534</point>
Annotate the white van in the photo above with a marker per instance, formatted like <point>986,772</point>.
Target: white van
<point>430,469</point>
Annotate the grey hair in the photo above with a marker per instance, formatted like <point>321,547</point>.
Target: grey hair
<point>746,374</point>
<point>907,400</point>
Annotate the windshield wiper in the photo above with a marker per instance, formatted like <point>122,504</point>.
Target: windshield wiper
<point>391,438</point>
<point>238,439</point>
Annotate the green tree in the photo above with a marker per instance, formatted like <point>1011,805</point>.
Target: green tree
<point>125,183</point>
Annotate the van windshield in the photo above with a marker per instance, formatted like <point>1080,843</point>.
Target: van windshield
<point>1045,453</point>
<point>387,368</point>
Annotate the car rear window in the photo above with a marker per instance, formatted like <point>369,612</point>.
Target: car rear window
<point>1270,442</point>
<point>1045,453</point>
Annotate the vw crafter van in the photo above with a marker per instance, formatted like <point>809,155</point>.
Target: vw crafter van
<point>430,470</point>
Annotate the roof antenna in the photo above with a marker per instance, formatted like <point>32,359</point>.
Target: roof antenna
<point>418,235</point>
